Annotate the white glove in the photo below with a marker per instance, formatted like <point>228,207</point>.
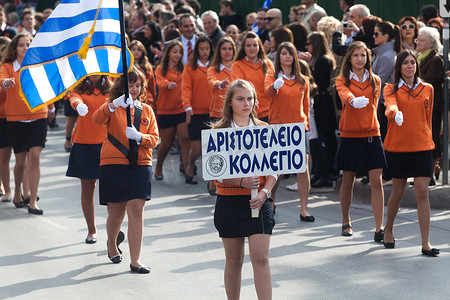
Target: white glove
<point>359,102</point>
<point>133,134</point>
<point>120,101</point>
<point>399,118</point>
<point>278,83</point>
<point>82,109</point>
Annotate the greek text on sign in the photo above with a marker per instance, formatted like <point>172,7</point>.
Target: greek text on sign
<point>257,150</point>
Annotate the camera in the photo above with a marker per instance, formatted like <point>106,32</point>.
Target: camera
<point>344,24</point>
<point>138,3</point>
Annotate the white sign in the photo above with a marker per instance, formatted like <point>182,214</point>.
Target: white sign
<point>444,8</point>
<point>249,151</point>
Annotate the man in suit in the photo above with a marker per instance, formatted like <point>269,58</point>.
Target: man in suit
<point>211,23</point>
<point>188,36</point>
<point>137,23</point>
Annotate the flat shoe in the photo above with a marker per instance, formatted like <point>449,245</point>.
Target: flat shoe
<point>116,258</point>
<point>90,240</point>
<point>378,236</point>
<point>161,177</point>
<point>27,201</point>
<point>140,270</point>
<point>433,252</point>
<point>35,211</point>
<point>389,245</point>
<point>120,238</point>
<point>347,233</point>
<point>307,218</point>
<point>190,179</point>
<point>19,204</point>
<point>6,200</point>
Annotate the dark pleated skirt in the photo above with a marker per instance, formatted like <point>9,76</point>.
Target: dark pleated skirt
<point>4,140</point>
<point>26,135</point>
<point>410,164</point>
<point>120,183</point>
<point>233,219</point>
<point>360,154</point>
<point>84,161</point>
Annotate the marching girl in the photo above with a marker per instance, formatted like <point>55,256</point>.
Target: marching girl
<point>27,131</point>
<point>196,96</point>
<point>252,64</point>
<point>289,91</point>
<point>232,215</point>
<point>169,106</point>
<point>142,63</point>
<point>87,138</point>
<point>361,149</point>
<point>219,76</point>
<point>409,144</point>
<point>123,188</point>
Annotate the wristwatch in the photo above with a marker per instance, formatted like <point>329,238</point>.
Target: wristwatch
<point>268,193</point>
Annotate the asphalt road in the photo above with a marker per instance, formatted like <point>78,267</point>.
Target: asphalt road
<point>45,257</point>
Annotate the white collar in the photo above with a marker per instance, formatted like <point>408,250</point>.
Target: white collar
<point>3,27</point>
<point>137,30</point>
<point>365,76</point>
<point>402,82</point>
<point>250,123</point>
<point>200,64</point>
<point>16,65</point>
<point>222,66</point>
<point>282,75</point>
<point>184,40</point>
<point>259,59</point>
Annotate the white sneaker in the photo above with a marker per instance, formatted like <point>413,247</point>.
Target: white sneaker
<point>292,187</point>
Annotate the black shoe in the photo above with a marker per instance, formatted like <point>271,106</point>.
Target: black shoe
<point>432,182</point>
<point>432,252</point>
<point>35,211</point>
<point>6,200</point>
<point>378,236</point>
<point>120,238</point>
<point>347,233</point>
<point>27,201</point>
<point>160,177</point>
<point>314,179</point>
<point>190,179</point>
<point>365,180</point>
<point>19,204</point>
<point>117,258</point>
<point>90,240</point>
<point>322,182</point>
<point>389,245</point>
<point>140,270</point>
<point>307,218</point>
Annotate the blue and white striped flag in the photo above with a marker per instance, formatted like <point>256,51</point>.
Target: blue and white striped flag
<point>80,38</point>
<point>266,4</point>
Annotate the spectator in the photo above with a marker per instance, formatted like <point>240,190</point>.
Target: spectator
<point>153,40</point>
<point>142,64</point>
<point>314,18</point>
<point>431,70</point>
<point>292,17</point>
<point>262,32</point>
<point>428,12</point>
<point>300,13</point>
<point>311,6</point>
<point>137,26</point>
<point>278,36</point>
<point>250,20</point>
<point>38,21</point>
<point>188,37</point>
<point>410,30</point>
<point>46,13</point>
<point>211,24</point>
<point>346,4</point>
<point>233,32</point>
<point>228,15</point>
<point>5,29</point>
<point>300,34</point>
<point>27,22</point>
<point>273,19</point>
<point>436,23</point>
<point>13,19</point>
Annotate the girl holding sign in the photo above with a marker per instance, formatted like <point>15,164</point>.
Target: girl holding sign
<point>289,91</point>
<point>232,216</point>
<point>361,149</point>
<point>252,64</point>
<point>196,96</point>
<point>409,144</point>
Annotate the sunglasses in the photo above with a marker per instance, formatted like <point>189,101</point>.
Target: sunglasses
<point>308,43</point>
<point>270,18</point>
<point>376,34</point>
<point>406,26</point>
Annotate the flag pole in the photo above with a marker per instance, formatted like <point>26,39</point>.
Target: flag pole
<point>133,152</point>
<point>124,59</point>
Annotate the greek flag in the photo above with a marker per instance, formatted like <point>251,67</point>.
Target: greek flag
<point>80,38</point>
<point>266,4</point>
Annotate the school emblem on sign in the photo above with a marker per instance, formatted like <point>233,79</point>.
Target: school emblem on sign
<point>215,165</point>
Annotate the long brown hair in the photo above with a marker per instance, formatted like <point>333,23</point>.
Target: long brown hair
<point>320,48</point>
<point>261,53</point>
<point>295,64</point>
<point>306,71</point>
<point>398,67</point>
<point>347,66</point>
<point>133,76</point>
<point>143,62</point>
<point>165,57</point>
<point>103,84</point>
<point>196,54</point>
<point>217,59</point>
<point>10,54</point>
<point>227,118</point>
